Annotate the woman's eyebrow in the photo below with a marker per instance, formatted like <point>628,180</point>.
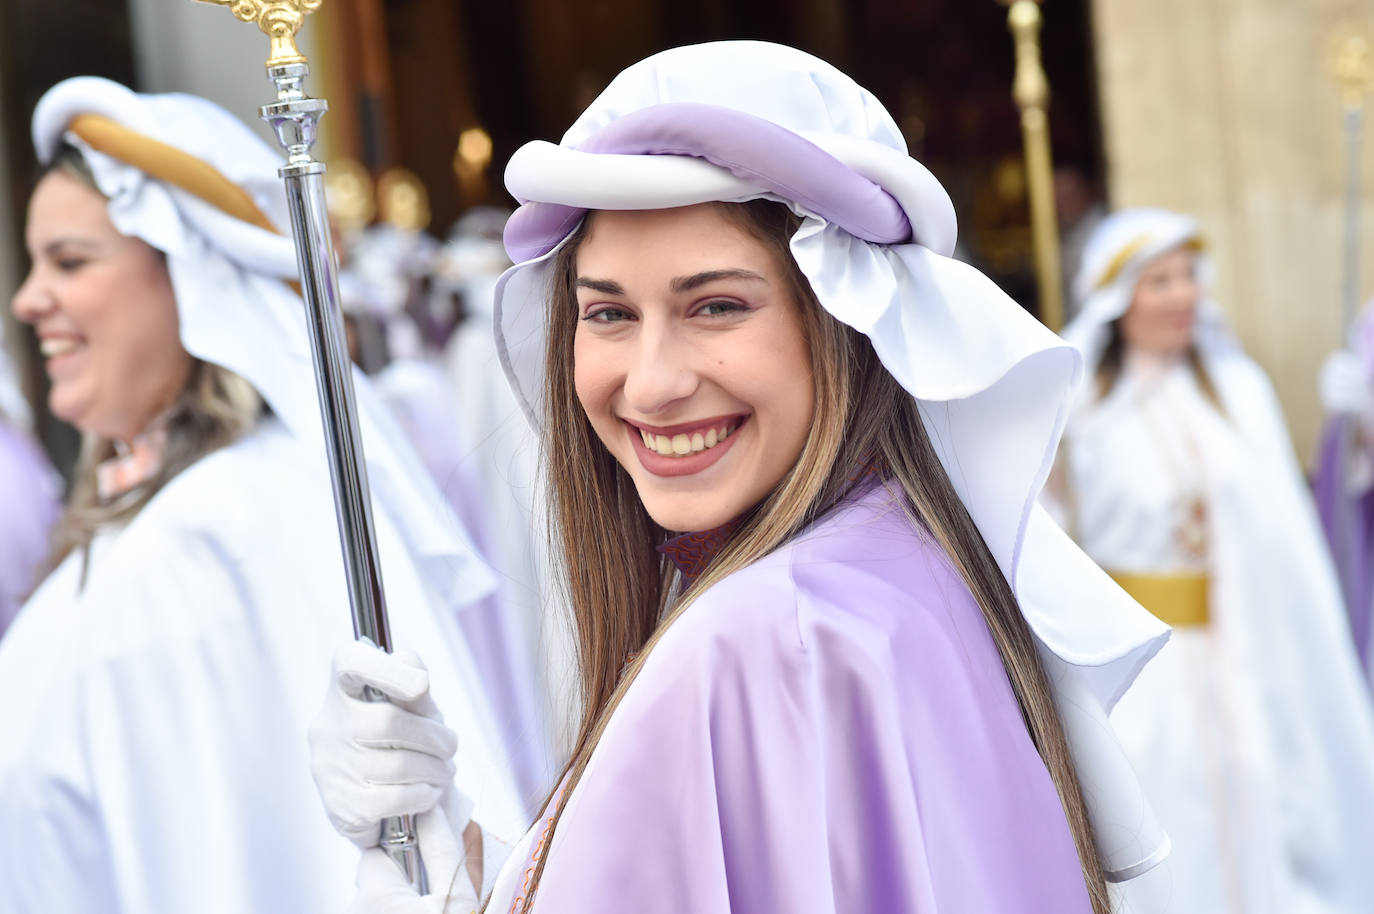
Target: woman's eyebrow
<point>58,244</point>
<point>604,286</point>
<point>687,283</point>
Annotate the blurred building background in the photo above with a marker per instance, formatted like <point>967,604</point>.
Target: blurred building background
<point>1222,108</point>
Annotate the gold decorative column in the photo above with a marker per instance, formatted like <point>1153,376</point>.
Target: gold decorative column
<point>1031,90</point>
<point>1352,65</point>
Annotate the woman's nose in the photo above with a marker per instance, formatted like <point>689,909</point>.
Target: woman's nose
<point>32,302</point>
<point>1186,293</point>
<point>659,374</point>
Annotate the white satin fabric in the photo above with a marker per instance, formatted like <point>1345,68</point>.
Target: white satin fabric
<point>1252,736</point>
<point>154,757</point>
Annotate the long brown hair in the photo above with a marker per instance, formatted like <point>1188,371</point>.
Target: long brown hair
<point>622,592</point>
<point>214,408</point>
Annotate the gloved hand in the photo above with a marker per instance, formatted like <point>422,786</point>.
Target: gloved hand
<point>372,760</point>
<point>1345,384</point>
<point>382,887</point>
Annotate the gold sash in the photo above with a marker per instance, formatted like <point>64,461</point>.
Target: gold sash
<point>1179,600</point>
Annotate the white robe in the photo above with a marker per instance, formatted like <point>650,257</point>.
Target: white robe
<point>1251,735</point>
<point>503,454</point>
<point>153,755</point>
<point>502,629</point>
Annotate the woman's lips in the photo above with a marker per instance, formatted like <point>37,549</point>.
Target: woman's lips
<point>683,450</point>
<point>59,351</point>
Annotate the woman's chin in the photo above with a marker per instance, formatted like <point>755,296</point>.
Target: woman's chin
<point>686,512</point>
<point>70,409</point>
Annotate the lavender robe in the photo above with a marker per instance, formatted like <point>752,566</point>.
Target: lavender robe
<point>28,509</point>
<point>1348,521</point>
<point>829,730</point>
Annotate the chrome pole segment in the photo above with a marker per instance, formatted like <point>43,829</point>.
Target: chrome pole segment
<point>295,119</point>
<point>338,410</point>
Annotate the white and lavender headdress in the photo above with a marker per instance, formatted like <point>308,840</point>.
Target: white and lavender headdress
<point>1118,249</point>
<point>734,121</point>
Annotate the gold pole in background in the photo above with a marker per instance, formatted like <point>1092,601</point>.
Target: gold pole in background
<point>1031,90</point>
<point>1351,63</point>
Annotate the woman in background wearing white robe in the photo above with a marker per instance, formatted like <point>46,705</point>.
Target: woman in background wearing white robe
<point>1250,730</point>
<point>160,682</point>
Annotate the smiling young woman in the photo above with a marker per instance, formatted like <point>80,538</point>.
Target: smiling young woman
<point>828,658</point>
<point>197,587</point>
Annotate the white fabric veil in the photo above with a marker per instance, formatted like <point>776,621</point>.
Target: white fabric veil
<point>733,121</point>
<point>235,307</point>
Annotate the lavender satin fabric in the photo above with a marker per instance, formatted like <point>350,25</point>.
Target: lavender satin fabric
<point>830,730</point>
<point>749,147</point>
<point>28,509</point>
<point>1348,522</point>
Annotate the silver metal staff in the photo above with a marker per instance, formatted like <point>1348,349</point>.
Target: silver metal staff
<point>295,119</point>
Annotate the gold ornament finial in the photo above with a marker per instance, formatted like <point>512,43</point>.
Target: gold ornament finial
<point>402,200</point>
<point>1350,61</point>
<point>280,20</point>
<point>349,192</point>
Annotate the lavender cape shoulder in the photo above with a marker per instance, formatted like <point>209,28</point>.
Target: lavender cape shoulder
<point>829,730</point>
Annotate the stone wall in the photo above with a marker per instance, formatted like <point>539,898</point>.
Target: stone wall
<point>1225,109</point>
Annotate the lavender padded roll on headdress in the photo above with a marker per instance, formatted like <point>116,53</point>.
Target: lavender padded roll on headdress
<point>734,121</point>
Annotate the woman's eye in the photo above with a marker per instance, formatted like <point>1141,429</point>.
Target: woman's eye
<point>608,316</point>
<point>721,308</point>
<point>70,264</point>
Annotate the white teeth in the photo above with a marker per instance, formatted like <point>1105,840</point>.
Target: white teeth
<point>684,445</point>
<point>55,347</point>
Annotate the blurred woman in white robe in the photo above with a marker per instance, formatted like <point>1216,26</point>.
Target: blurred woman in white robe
<point>1250,731</point>
<point>161,681</point>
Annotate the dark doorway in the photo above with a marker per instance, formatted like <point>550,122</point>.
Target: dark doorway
<point>523,70</point>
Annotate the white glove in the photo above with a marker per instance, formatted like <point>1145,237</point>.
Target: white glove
<point>1345,384</point>
<point>382,887</point>
<point>372,760</point>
